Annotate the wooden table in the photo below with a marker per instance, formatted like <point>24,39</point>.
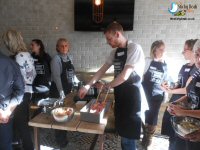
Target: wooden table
<point>46,121</point>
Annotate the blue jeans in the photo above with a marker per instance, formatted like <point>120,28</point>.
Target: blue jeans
<point>128,144</point>
<point>151,115</point>
<point>6,135</point>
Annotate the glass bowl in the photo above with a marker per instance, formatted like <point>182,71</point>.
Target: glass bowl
<point>184,125</point>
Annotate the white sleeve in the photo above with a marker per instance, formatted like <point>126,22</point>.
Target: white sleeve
<point>148,61</point>
<point>110,58</point>
<point>134,54</point>
<point>56,70</point>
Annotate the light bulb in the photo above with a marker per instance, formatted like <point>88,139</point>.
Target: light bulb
<point>97,2</point>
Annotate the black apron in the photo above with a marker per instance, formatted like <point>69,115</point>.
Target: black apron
<point>193,94</point>
<point>193,91</point>
<point>155,75</point>
<point>43,77</point>
<point>185,72</point>
<point>67,77</point>
<point>127,100</point>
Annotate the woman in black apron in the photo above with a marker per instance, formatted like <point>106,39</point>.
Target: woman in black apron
<point>41,84</point>
<point>155,75</point>
<point>179,90</point>
<point>62,71</point>
<point>67,77</point>
<point>193,98</point>
<point>42,81</point>
<point>63,78</point>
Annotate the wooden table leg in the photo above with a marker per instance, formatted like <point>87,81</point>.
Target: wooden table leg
<point>36,138</point>
<point>94,141</point>
<point>101,141</point>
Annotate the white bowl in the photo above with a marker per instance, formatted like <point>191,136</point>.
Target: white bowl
<point>61,114</point>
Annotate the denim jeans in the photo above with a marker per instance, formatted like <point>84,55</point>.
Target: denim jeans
<point>6,135</point>
<point>151,115</point>
<point>128,144</point>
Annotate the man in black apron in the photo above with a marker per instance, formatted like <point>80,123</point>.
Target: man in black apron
<point>127,119</point>
<point>128,61</point>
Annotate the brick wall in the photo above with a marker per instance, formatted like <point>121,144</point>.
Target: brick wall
<point>51,19</point>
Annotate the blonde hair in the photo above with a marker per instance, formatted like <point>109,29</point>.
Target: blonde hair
<point>14,41</point>
<point>61,40</point>
<point>196,46</point>
<point>154,46</point>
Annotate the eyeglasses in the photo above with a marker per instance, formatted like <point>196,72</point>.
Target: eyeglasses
<point>185,50</point>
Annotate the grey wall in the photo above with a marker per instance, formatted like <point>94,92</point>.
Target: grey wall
<point>51,19</point>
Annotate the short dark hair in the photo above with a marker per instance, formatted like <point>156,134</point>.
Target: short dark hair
<point>113,27</point>
<point>40,43</point>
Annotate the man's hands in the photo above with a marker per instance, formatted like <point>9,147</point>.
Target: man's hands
<point>83,91</point>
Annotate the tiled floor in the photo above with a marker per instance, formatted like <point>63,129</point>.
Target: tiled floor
<point>80,141</point>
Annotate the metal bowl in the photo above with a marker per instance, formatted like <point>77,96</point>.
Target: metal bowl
<point>47,102</point>
<point>60,114</point>
<point>184,125</point>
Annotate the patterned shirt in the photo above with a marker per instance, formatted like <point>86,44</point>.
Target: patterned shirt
<point>27,68</point>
